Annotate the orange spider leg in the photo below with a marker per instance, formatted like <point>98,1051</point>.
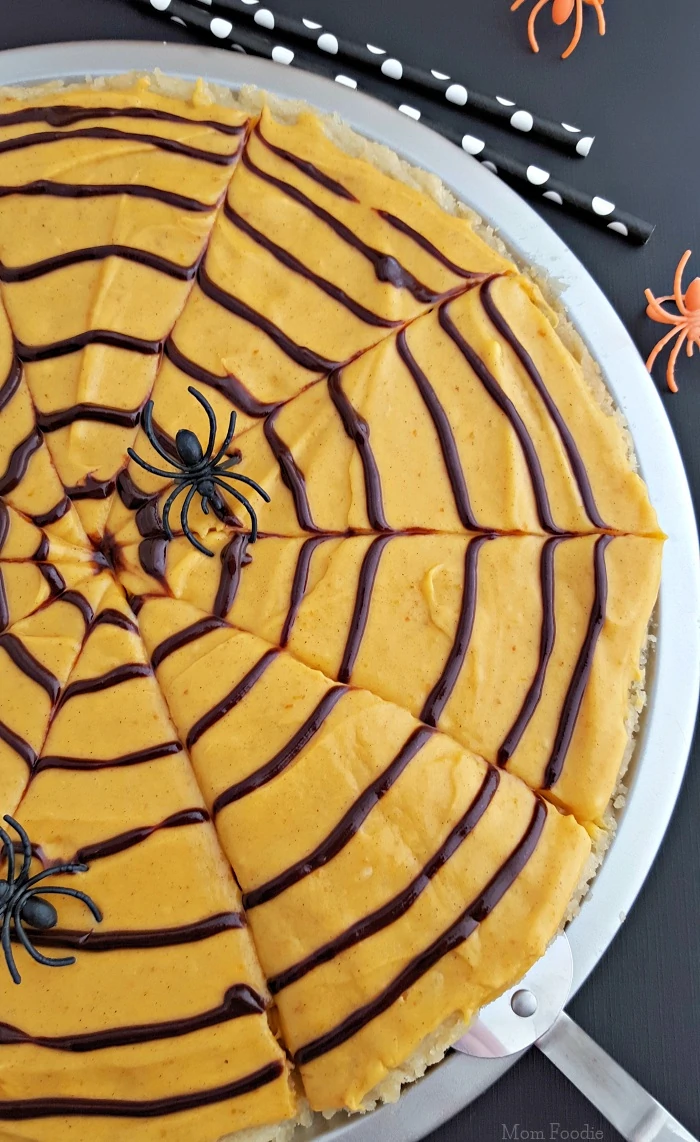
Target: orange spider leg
<point>577,30</point>
<point>531,24</point>
<point>659,346</point>
<point>673,357</point>
<point>678,282</point>
<point>657,313</point>
<point>598,5</point>
<point>516,4</point>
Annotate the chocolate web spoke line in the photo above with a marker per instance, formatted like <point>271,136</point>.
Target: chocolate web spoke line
<point>459,931</point>
<point>386,267</point>
<point>346,827</point>
<point>108,190</point>
<point>576,463</point>
<point>159,142</point>
<point>240,1000</point>
<point>398,905</point>
<point>509,410</point>
<point>368,316</point>
<point>19,1109</point>
<point>66,115</point>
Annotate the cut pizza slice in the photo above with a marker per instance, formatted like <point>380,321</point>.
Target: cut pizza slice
<point>107,199</point>
<point>165,1000</point>
<point>36,657</point>
<point>393,881</point>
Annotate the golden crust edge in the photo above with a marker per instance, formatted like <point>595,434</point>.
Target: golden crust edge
<point>435,1045</point>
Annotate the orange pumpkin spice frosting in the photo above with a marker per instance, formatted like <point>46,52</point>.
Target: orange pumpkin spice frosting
<point>334,790</point>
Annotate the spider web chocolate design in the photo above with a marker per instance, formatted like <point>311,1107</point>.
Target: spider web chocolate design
<point>399,718</point>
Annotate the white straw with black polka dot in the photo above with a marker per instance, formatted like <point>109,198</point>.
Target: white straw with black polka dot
<point>529,179</point>
<point>434,85</point>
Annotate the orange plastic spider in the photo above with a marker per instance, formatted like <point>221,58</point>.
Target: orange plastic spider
<point>686,323</point>
<point>562,10</point>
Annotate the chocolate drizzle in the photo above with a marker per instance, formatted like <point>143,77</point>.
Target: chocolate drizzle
<point>284,757</point>
<point>292,475</point>
<point>440,694</point>
<point>92,489</point>
<point>35,270</point>
<point>123,841</point>
<point>42,186</point>
<point>63,417</point>
<point>346,828</point>
<point>306,168</point>
<point>300,583</point>
<point>239,1000</point>
<point>111,617</point>
<point>140,938</point>
<point>427,245</point>
<point>234,558</point>
<point>397,907</point>
<point>357,428</point>
<point>152,556</point>
<point>42,550</point>
<point>21,1108</point>
<point>448,444</point>
<point>9,386</point>
<point>4,523</point>
<point>54,579</point>
<point>236,695</point>
<point>160,142</point>
<point>80,602</point>
<point>19,462</point>
<point>292,263</point>
<point>183,638</point>
<point>18,745</point>
<point>578,467</point>
<point>547,637</point>
<point>29,665</point>
<point>114,677</point>
<point>451,938</point>
<point>385,266</point>
<point>358,623</point>
<point>65,115</point>
<point>509,410</point>
<point>88,337</point>
<point>138,757</point>
<point>582,669</point>
<point>43,519</point>
<point>301,355</point>
<point>229,386</point>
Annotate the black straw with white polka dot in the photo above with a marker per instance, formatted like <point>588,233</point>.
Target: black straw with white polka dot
<point>529,179</point>
<point>434,85</point>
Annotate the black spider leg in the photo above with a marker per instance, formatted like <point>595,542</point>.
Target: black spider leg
<point>147,425</point>
<point>47,961</point>
<point>7,947</point>
<point>246,504</point>
<point>212,424</point>
<point>26,849</point>
<point>9,848</point>
<point>229,437</point>
<point>186,527</point>
<point>181,483</point>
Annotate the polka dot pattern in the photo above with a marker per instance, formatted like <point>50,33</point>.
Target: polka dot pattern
<point>434,84</point>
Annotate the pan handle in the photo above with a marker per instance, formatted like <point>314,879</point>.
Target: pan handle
<point>632,1111</point>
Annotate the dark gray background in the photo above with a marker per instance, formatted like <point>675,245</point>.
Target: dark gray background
<point>638,90</point>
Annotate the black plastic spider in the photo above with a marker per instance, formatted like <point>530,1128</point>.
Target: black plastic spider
<point>20,903</point>
<point>202,470</point>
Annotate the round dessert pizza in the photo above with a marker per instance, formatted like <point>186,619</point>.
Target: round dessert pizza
<point>325,583</point>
